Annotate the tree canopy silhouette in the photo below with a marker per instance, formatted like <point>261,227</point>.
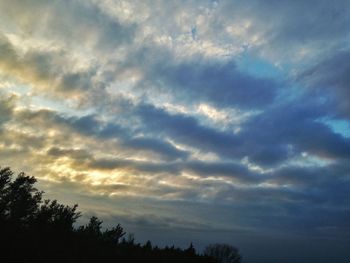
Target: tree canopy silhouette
<point>223,253</point>
<point>37,230</point>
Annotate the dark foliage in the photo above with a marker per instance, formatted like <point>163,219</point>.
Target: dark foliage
<point>37,230</point>
<point>223,253</point>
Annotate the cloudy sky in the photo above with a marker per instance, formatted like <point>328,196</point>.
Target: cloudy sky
<point>204,121</point>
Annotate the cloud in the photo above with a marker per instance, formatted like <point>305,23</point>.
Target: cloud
<point>76,154</point>
<point>220,83</point>
<point>68,23</point>
<point>50,72</point>
<point>319,27</point>
<point>288,130</point>
<point>186,130</point>
<point>6,108</point>
<point>326,185</point>
<point>227,169</point>
<point>165,149</point>
<point>260,140</point>
<point>140,166</point>
<point>8,54</point>
<point>169,114</point>
<point>330,77</point>
<point>90,125</point>
<point>198,80</point>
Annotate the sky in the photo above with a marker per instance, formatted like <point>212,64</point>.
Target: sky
<point>187,121</point>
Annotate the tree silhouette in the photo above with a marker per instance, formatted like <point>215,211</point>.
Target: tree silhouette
<point>190,250</point>
<point>93,228</point>
<point>223,253</point>
<point>5,179</point>
<point>37,230</point>
<point>148,245</point>
<point>19,198</point>
<point>114,235</point>
<point>58,216</point>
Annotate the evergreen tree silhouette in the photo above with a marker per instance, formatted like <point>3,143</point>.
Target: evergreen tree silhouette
<point>223,253</point>
<point>37,230</point>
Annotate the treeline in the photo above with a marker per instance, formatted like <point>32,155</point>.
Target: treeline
<point>36,230</point>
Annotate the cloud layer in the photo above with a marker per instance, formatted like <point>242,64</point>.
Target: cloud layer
<point>228,120</point>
